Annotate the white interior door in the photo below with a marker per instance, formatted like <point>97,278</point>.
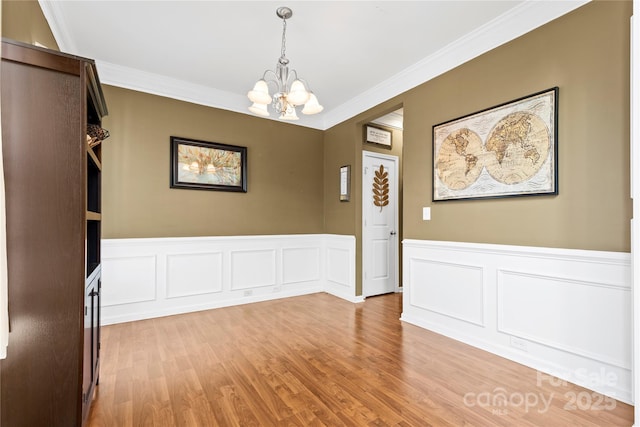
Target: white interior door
<point>379,223</point>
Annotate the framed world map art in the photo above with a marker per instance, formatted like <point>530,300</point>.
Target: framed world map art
<point>507,150</point>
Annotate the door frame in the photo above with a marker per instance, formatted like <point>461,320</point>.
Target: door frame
<point>635,195</point>
<point>365,187</point>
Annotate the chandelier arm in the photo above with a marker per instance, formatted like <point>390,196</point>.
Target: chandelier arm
<point>293,73</point>
<point>270,76</point>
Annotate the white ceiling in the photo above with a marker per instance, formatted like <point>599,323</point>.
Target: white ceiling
<point>394,119</point>
<point>354,54</point>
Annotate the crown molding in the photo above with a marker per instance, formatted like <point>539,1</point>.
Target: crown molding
<point>518,21</point>
<point>515,23</point>
<point>156,84</point>
<point>55,19</point>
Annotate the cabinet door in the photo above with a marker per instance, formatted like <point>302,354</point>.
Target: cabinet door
<point>87,366</point>
<point>90,362</point>
<point>95,332</point>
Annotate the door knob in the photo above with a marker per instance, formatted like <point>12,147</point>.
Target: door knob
<point>393,233</point>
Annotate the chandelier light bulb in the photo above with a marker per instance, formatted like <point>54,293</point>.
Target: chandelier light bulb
<point>289,114</point>
<point>259,109</point>
<point>298,95</point>
<point>312,106</point>
<point>260,93</point>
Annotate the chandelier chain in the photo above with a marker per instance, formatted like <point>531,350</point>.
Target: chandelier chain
<point>284,31</point>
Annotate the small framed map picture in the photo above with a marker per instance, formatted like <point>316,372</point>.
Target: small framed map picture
<point>507,150</point>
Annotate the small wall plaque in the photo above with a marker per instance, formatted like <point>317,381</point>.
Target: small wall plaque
<point>377,135</point>
<point>345,183</point>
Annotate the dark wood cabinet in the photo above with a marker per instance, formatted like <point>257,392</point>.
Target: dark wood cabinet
<point>52,184</point>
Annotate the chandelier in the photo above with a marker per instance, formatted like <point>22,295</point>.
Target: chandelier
<point>291,91</point>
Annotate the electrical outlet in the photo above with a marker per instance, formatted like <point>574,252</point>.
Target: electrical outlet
<point>519,343</point>
<point>248,292</point>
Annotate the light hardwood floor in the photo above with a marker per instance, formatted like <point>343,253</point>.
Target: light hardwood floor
<point>317,360</point>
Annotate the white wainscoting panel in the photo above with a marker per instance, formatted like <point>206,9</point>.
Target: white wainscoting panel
<point>340,267</point>
<point>447,282</point>
<point>338,271</point>
<point>194,274</point>
<point>563,312</point>
<point>300,265</point>
<point>253,268</point>
<point>133,278</point>
<point>152,277</point>
<point>526,311</point>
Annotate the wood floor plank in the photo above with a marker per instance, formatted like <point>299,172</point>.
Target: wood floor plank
<point>317,360</point>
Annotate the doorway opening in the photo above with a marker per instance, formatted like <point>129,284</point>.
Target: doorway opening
<point>382,209</point>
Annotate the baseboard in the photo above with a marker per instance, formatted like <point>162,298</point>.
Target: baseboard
<point>131,316</point>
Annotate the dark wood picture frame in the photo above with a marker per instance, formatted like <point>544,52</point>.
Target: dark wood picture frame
<point>202,165</point>
<point>483,156</point>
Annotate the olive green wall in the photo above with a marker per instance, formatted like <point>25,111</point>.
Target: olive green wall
<point>340,217</point>
<point>586,54</point>
<point>284,166</point>
<point>24,21</point>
